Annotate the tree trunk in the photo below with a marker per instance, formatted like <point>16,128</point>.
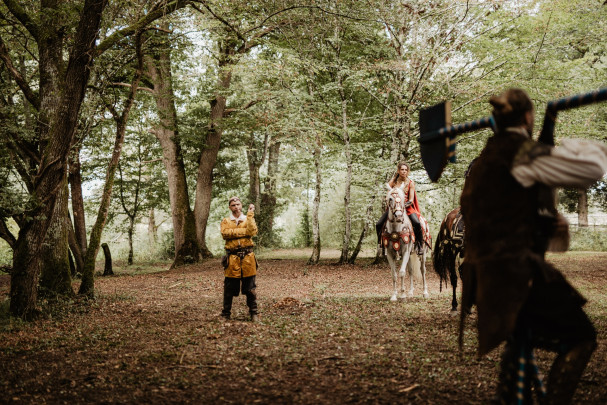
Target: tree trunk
<point>152,229</point>
<point>315,257</point>
<point>87,287</point>
<point>75,180</point>
<point>582,203</point>
<point>268,197</point>
<point>380,258</point>
<point>254,163</point>
<point>52,172</point>
<point>208,156</point>
<point>348,154</point>
<point>130,235</point>
<point>55,277</point>
<point>107,267</point>
<point>78,267</point>
<point>187,249</point>
<point>366,223</point>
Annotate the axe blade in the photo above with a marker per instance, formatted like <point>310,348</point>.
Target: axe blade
<point>434,151</point>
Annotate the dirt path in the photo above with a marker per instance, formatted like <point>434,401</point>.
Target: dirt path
<point>328,334</point>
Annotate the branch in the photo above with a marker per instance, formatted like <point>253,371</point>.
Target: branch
<point>246,106</point>
<point>29,94</point>
<point>24,18</point>
<point>7,235</point>
<point>221,19</point>
<point>139,25</point>
<point>129,86</point>
<point>543,40</point>
<point>152,160</point>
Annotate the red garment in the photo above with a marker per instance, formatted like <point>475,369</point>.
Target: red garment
<point>414,207</point>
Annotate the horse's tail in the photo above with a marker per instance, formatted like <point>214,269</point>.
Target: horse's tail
<point>439,261</point>
<point>414,267</point>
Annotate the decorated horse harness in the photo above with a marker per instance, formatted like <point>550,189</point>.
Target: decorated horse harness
<point>406,235</point>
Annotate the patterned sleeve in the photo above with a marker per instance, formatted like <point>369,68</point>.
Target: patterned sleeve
<point>576,163</point>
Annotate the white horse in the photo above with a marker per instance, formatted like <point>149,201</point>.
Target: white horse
<point>398,239</point>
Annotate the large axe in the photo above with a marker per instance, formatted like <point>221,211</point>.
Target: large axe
<point>437,135</point>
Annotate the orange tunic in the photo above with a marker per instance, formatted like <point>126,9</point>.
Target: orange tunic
<point>239,235</point>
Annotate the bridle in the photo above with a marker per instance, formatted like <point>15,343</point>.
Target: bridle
<point>397,205</point>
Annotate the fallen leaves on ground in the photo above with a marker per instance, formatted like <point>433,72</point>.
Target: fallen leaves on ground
<point>327,334</point>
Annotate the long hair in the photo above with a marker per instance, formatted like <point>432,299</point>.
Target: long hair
<point>509,108</point>
<point>400,164</point>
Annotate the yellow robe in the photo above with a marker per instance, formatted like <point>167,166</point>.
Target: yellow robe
<point>240,236</point>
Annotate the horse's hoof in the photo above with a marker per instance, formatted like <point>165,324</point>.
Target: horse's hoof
<point>426,295</point>
<point>393,298</point>
<point>402,298</point>
<point>453,313</point>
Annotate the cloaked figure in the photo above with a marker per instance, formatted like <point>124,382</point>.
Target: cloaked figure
<point>511,221</point>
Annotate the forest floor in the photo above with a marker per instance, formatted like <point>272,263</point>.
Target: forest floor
<point>328,334</point>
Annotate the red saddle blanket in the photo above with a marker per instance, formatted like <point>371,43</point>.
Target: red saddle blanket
<point>406,236</point>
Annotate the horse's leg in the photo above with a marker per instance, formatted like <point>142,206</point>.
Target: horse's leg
<point>401,273</point>
<point>423,270</point>
<point>453,277</point>
<point>410,256</point>
<point>392,263</point>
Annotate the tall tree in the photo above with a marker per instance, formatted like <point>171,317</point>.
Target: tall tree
<point>66,49</point>
<point>87,286</point>
<point>57,126</point>
<point>158,70</point>
<point>235,34</point>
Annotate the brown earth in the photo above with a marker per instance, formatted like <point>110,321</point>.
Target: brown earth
<point>328,334</point>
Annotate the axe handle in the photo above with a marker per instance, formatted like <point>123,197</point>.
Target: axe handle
<point>547,134</point>
<point>456,129</point>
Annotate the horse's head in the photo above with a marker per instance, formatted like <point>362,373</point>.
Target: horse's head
<point>396,205</point>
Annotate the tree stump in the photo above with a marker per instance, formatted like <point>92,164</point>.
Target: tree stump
<point>107,270</point>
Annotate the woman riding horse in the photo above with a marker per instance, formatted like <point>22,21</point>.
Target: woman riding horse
<point>402,180</point>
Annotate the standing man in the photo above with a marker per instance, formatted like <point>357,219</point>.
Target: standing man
<point>511,219</point>
<point>241,265</point>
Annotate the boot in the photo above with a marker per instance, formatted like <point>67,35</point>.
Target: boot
<point>227,306</point>
<point>252,304</point>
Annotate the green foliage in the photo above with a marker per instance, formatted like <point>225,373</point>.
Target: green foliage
<point>167,245</point>
<point>568,198</point>
<point>375,63</point>
<point>599,194</point>
<point>588,239</point>
<point>303,237</point>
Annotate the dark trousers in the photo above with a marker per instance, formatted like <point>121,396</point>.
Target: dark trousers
<point>552,319</point>
<point>232,287</point>
<point>417,227</point>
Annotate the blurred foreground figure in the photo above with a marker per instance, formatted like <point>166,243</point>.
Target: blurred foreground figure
<point>511,221</point>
